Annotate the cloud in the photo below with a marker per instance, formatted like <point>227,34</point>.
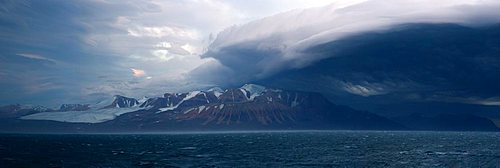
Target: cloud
<point>285,41</point>
<point>450,98</point>
<point>162,55</point>
<point>165,38</point>
<point>165,45</point>
<point>138,72</point>
<point>414,63</point>
<point>159,32</point>
<point>362,90</point>
<point>99,40</point>
<point>190,49</point>
<point>36,57</point>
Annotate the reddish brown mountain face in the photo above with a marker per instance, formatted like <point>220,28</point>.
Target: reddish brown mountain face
<point>249,106</point>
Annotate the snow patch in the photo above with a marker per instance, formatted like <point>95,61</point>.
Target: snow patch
<point>190,95</point>
<point>189,110</point>
<point>89,116</point>
<point>253,90</point>
<point>200,109</point>
<point>217,91</point>
<point>142,100</point>
<point>167,108</point>
<point>295,103</point>
<point>244,93</point>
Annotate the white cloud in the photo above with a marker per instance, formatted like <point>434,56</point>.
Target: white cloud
<point>165,37</point>
<point>162,55</point>
<point>164,31</point>
<point>138,72</point>
<point>189,48</point>
<point>36,57</point>
<point>164,45</point>
<point>362,90</point>
<point>447,97</point>
<point>122,20</point>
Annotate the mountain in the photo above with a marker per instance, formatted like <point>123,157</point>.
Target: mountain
<point>17,110</point>
<point>250,107</point>
<point>122,101</point>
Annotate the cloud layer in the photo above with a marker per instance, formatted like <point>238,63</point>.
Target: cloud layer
<point>282,42</point>
<point>54,51</point>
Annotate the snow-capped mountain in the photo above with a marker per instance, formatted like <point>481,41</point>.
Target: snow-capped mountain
<point>248,107</point>
<point>123,102</point>
<point>251,106</point>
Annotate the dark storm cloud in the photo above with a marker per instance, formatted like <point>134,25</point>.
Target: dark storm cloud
<point>264,47</point>
<point>435,62</point>
<point>351,49</point>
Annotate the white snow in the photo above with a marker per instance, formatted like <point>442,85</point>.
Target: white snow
<point>34,107</point>
<point>127,103</point>
<point>295,103</point>
<point>244,93</point>
<point>206,98</point>
<point>217,91</point>
<point>254,90</point>
<point>167,108</point>
<point>190,95</point>
<point>188,111</point>
<point>150,105</point>
<point>102,103</point>
<point>90,116</point>
<point>200,109</point>
<point>142,100</point>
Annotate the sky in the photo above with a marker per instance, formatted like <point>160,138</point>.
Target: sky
<point>58,51</point>
<point>69,51</point>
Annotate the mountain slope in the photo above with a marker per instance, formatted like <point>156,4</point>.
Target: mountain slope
<point>250,107</point>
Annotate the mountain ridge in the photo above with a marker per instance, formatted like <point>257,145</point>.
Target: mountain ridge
<point>250,107</point>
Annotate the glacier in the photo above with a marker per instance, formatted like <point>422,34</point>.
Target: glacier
<point>89,116</point>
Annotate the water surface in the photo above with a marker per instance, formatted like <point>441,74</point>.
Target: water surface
<point>253,149</point>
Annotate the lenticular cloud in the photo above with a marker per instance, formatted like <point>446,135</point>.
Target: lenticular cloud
<point>284,41</point>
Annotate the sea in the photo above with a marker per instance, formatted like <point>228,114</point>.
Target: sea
<point>253,149</point>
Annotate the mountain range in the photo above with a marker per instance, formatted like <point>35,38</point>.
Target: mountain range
<point>250,107</point>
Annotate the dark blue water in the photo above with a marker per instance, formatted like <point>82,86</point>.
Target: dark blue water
<point>265,149</point>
